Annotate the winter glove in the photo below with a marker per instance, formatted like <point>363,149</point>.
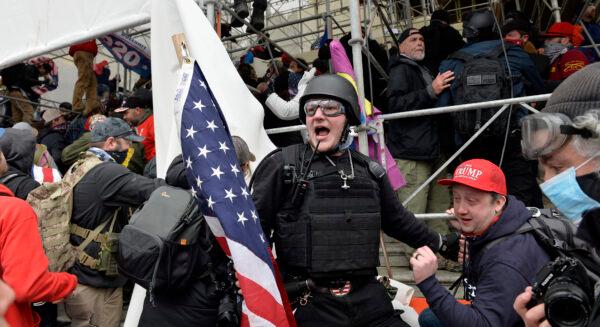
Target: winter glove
<point>450,246</point>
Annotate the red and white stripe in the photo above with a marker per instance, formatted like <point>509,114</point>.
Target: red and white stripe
<point>262,301</point>
<point>46,175</point>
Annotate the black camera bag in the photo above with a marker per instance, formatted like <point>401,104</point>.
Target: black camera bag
<point>165,241</point>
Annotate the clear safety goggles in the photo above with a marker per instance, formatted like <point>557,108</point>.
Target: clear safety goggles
<point>330,108</point>
<point>544,133</point>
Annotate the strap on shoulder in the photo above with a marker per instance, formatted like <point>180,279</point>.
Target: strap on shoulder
<point>461,55</point>
<point>375,168</point>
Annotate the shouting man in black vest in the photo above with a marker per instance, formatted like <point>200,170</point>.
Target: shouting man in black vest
<point>326,204</point>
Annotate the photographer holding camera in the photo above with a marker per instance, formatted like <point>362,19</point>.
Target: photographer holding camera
<point>565,138</point>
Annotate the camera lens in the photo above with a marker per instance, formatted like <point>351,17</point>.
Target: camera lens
<point>567,304</point>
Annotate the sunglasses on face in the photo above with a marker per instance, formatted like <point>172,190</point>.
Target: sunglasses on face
<point>330,108</point>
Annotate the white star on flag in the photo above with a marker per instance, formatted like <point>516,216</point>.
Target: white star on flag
<point>230,195</point>
<point>198,105</point>
<point>217,172</point>
<point>245,193</point>
<point>241,218</point>
<point>211,125</point>
<point>223,146</point>
<point>190,132</point>
<point>210,202</point>
<point>199,182</point>
<point>234,169</point>
<point>202,83</point>
<point>193,192</point>
<point>188,162</point>
<point>203,151</point>
<point>254,216</point>
<point>262,238</point>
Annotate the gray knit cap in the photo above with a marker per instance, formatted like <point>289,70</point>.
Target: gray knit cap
<point>579,93</point>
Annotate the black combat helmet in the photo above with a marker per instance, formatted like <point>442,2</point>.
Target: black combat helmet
<point>480,25</point>
<point>330,86</point>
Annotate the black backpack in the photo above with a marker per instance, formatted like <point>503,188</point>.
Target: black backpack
<point>482,78</point>
<point>166,242</point>
<point>557,235</point>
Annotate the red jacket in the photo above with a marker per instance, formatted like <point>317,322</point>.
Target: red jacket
<point>146,129</point>
<point>567,64</point>
<point>87,46</point>
<point>23,264</point>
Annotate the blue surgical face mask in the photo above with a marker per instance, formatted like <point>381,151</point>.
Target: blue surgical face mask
<point>566,194</point>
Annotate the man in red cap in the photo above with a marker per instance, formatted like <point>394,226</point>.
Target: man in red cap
<point>494,273</point>
<point>559,47</point>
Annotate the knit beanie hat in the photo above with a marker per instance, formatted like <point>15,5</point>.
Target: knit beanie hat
<point>577,94</point>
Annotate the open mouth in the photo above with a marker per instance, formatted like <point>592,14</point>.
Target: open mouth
<point>321,132</point>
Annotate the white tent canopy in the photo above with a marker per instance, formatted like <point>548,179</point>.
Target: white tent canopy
<point>32,27</point>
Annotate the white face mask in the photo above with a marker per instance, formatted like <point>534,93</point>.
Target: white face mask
<point>566,194</point>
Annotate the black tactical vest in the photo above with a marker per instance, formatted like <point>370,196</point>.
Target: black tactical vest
<point>335,231</point>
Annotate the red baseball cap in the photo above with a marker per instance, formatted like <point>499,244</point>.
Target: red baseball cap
<point>564,29</point>
<point>479,174</point>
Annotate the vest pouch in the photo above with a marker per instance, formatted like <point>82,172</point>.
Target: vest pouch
<point>344,242</point>
<point>179,263</point>
<point>108,255</point>
<point>138,254</point>
<point>292,237</point>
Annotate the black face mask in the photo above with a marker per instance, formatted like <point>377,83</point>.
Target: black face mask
<point>119,156</point>
<point>61,128</point>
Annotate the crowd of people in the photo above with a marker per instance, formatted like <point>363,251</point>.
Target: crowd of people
<point>321,203</point>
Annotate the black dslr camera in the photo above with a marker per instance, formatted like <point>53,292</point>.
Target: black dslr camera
<point>565,288</point>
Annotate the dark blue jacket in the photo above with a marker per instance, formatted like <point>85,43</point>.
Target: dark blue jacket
<point>522,69</point>
<point>495,276</point>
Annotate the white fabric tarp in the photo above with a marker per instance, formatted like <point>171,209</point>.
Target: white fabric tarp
<point>33,27</point>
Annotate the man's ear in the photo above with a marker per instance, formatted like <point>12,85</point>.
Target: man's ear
<point>499,203</point>
<point>525,38</point>
<point>110,144</point>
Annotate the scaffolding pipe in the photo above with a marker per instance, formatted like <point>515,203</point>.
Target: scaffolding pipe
<point>385,21</point>
<point>437,111</point>
<point>273,27</point>
<point>2,96</point>
<point>555,10</point>
<point>210,12</point>
<point>467,106</point>
<point>455,155</point>
<point>261,34</point>
<point>328,27</point>
<point>408,14</point>
<point>356,42</point>
<point>430,216</point>
<point>279,40</point>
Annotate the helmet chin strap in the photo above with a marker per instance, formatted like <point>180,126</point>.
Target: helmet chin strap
<point>345,140</point>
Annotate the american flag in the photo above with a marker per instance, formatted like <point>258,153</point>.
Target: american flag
<point>221,192</point>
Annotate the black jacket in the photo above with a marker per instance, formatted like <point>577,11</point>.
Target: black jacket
<point>55,142</point>
<point>409,89</point>
<point>270,192</point>
<point>19,149</point>
<point>441,40</point>
<point>18,182</point>
<point>589,228</point>
<point>21,76</point>
<point>98,194</point>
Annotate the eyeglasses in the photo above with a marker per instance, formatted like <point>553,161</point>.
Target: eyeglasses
<point>330,108</point>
